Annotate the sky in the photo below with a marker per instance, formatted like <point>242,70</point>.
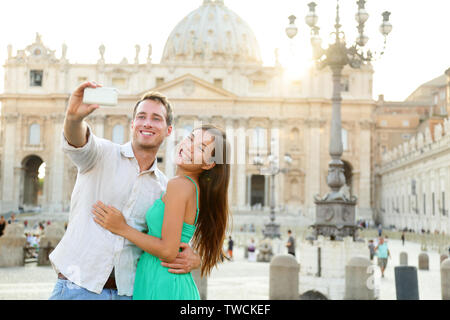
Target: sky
<point>417,49</point>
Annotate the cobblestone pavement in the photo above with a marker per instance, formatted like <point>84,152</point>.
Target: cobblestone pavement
<point>234,280</point>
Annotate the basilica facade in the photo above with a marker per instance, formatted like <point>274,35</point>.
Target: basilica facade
<point>211,70</point>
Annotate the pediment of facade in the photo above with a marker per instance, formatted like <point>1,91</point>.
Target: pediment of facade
<point>262,73</point>
<point>191,87</point>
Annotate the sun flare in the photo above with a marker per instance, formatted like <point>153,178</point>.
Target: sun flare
<point>296,61</point>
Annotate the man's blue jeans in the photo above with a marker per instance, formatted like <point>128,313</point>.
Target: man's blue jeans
<point>67,290</point>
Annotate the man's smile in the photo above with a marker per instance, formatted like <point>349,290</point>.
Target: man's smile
<point>147,133</point>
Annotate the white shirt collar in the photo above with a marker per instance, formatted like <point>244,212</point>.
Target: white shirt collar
<point>127,151</point>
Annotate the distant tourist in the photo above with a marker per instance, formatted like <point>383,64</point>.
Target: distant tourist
<point>33,240</point>
<point>380,230</point>
<point>290,243</point>
<point>230,248</point>
<point>371,249</point>
<point>383,254</point>
<point>403,238</point>
<point>12,219</point>
<point>251,251</point>
<point>2,225</point>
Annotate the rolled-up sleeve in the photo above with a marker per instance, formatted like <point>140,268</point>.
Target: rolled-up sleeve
<point>86,156</point>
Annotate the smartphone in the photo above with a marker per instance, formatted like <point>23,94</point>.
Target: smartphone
<point>102,96</point>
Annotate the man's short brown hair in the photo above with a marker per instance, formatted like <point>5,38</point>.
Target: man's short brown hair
<point>158,97</point>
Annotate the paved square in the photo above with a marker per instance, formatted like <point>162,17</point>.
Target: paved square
<point>235,280</point>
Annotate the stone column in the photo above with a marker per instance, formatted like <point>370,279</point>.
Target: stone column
<point>284,278</point>
<point>98,121</point>
<point>241,159</point>
<point>364,192</point>
<point>266,191</point>
<point>57,166</point>
<point>427,191</point>
<point>249,191</point>
<point>275,150</point>
<point>17,185</point>
<point>313,164</point>
<point>229,130</point>
<point>8,161</point>
<point>358,275</point>
<point>169,161</point>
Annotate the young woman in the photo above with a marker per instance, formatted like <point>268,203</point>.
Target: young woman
<point>194,206</point>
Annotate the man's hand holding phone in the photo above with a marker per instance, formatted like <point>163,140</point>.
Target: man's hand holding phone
<point>77,110</point>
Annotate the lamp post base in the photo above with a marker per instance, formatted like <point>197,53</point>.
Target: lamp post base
<point>272,230</point>
<point>335,219</point>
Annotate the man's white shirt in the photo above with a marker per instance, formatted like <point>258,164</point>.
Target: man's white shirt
<point>109,172</point>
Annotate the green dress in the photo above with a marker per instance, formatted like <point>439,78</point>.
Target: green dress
<point>155,282</point>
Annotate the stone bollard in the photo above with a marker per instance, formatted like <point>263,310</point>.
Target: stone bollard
<point>406,283</point>
<point>284,278</point>
<point>358,275</point>
<point>443,257</point>
<point>403,258</point>
<point>11,246</point>
<point>201,282</point>
<point>424,261</point>
<point>445,279</point>
<point>52,235</point>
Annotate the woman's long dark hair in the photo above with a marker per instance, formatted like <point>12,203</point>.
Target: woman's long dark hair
<point>213,216</point>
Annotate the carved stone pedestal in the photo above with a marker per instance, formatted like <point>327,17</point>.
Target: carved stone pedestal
<point>335,219</point>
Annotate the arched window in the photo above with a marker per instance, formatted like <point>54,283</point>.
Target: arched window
<point>118,134</point>
<point>259,138</point>
<point>35,134</point>
<point>344,139</point>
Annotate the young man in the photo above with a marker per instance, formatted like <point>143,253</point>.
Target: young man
<point>290,243</point>
<point>91,262</point>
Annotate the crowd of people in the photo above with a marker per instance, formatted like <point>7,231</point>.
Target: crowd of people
<point>35,230</point>
<point>32,233</point>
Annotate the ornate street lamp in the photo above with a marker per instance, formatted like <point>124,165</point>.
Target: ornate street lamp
<point>335,213</point>
<point>272,229</point>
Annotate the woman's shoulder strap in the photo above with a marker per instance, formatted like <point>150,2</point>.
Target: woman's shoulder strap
<point>196,194</point>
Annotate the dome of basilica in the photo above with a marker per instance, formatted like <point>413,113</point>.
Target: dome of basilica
<point>212,34</point>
